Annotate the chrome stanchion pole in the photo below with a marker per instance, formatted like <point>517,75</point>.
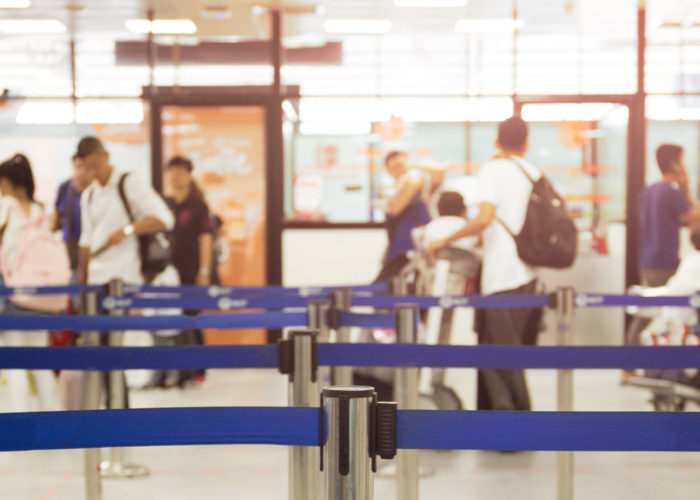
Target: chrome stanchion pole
<point>342,301</point>
<point>301,353</point>
<point>406,386</point>
<point>318,320</point>
<point>354,429</point>
<point>91,398</point>
<point>565,389</point>
<point>115,466</point>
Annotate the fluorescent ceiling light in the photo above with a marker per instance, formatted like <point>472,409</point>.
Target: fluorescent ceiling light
<point>15,4</point>
<point>45,113</point>
<point>162,26</point>
<point>23,26</point>
<point>359,26</point>
<point>430,3</point>
<point>487,25</point>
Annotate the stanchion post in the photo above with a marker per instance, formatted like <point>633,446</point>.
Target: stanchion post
<point>91,398</point>
<point>115,466</point>
<point>318,320</point>
<point>565,388</point>
<point>354,429</point>
<point>406,387</point>
<point>342,301</point>
<point>300,354</point>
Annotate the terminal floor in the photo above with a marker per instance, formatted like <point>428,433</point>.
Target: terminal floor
<point>260,472</point>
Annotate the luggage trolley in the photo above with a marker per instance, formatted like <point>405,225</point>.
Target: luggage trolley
<point>671,390</point>
<point>453,271</point>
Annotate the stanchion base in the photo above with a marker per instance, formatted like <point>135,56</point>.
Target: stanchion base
<point>388,471</point>
<point>123,471</point>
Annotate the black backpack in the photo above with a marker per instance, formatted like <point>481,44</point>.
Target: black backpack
<point>549,236</point>
<point>155,249</point>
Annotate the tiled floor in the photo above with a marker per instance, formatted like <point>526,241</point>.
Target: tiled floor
<point>260,472</point>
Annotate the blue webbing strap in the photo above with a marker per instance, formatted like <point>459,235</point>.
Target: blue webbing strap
<point>388,355</point>
<point>576,431</point>
<point>130,358</point>
<point>158,427</point>
<point>416,429</point>
<point>152,323</point>
<point>511,357</point>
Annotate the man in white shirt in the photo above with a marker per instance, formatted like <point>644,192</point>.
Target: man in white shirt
<point>505,191</point>
<point>109,247</point>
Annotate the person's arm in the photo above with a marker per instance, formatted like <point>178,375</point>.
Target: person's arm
<point>408,186</point>
<point>85,244</point>
<point>474,227</point>
<point>206,251</point>
<point>83,264</point>
<point>150,211</point>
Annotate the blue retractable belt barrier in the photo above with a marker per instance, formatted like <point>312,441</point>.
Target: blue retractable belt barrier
<point>473,301</point>
<point>585,300</point>
<point>509,357</point>
<point>152,323</point>
<point>381,355</point>
<point>267,291</point>
<point>49,290</point>
<point>158,427</point>
<point>130,358</point>
<point>222,303</point>
<point>575,431</point>
<point>367,320</point>
<point>416,429</point>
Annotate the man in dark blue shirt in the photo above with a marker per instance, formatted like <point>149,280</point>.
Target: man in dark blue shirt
<point>664,208</point>
<point>66,216</point>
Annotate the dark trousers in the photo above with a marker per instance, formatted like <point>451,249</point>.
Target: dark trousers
<point>506,390</point>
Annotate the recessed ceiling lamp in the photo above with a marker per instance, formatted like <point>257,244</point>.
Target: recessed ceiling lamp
<point>33,26</point>
<point>357,26</point>
<point>430,3</point>
<point>487,25</point>
<point>162,26</point>
<point>15,4</point>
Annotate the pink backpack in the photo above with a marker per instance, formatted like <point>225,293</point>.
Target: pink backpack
<point>41,260</point>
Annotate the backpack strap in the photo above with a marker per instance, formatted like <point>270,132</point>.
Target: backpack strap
<point>532,181</point>
<point>122,196</point>
<point>70,212</point>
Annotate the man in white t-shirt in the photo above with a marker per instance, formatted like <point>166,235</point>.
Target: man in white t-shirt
<point>504,191</point>
<point>109,246</point>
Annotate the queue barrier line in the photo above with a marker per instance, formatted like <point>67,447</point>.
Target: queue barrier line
<point>158,427</point>
<point>416,429</point>
<point>273,290</point>
<point>549,431</point>
<point>138,358</point>
<point>202,303</point>
<point>509,356</point>
<point>152,323</point>
<point>357,355</point>
<point>195,290</point>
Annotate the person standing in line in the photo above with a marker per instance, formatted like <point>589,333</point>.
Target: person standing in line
<point>66,215</point>
<point>406,210</point>
<point>505,190</point>
<point>109,244</point>
<point>193,242</point>
<point>19,210</point>
<point>664,208</point>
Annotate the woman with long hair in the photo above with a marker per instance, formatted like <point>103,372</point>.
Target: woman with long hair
<point>19,210</point>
